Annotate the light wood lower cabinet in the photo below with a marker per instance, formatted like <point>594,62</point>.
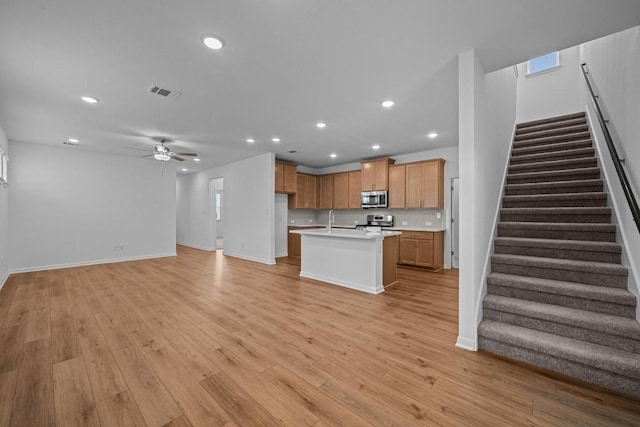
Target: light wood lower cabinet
<point>294,241</point>
<point>421,249</point>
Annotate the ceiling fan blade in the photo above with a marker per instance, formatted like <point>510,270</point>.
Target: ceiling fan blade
<point>180,159</point>
<point>188,154</point>
<point>148,155</point>
<point>139,149</point>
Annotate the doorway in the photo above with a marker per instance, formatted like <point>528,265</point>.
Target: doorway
<point>216,226</point>
<point>455,210</point>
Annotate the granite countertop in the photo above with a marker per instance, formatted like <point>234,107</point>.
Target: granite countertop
<point>434,229</point>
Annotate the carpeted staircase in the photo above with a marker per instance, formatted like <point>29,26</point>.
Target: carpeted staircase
<point>557,293</point>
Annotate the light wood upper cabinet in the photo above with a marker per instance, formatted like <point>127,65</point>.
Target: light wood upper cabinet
<point>397,186</point>
<point>355,189</point>
<point>306,193</point>
<point>341,191</point>
<point>375,174</point>
<point>279,177</point>
<point>425,184</point>
<point>286,178</point>
<point>325,201</point>
<point>290,178</point>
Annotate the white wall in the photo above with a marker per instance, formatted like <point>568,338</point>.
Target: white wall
<point>551,93</point>
<point>613,64</point>
<point>487,116</point>
<point>4,219</point>
<point>248,208</point>
<point>73,207</point>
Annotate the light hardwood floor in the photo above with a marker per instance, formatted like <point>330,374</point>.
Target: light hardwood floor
<point>203,339</point>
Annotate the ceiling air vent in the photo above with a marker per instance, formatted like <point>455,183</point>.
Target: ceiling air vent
<point>291,151</point>
<point>164,92</point>
<point>73,144</point>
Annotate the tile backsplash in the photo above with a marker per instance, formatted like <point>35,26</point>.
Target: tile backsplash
<point>402,217</point>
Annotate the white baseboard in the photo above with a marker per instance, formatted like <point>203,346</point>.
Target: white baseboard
<point>4,279</point>
<point>248,258</point>
<point>343,283</point>
<point>467,344</point>
<point>189,245</point>
<point>93,262</point>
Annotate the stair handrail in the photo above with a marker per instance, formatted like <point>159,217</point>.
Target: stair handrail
<point>617,162</point>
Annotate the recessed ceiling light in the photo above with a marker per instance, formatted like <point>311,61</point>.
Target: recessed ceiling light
<point>375,147</point>
<point>388,103</point>
<point>90,99</point>
<point>250,140</point>
<point>213,42</point>
<point>184,169</point>
<point>76,140</point>
<point>276,140</point>
<point>333,155</point>
<point>196,159</point>
<point>432,134</point>
<point>321,125</point>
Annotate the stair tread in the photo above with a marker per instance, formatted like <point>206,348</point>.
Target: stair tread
<point>612,325</point>
<point>576,153</point>
<point>553,125</point>
<point>595,355</point>
<point>523,147</point>
<point>577,183</point>
<point>580,245</point>
<point>561,226</point>
<point>567,128</point>
<point>549,120</point>
<point>573,289</point>
<point>560,210</point>
<point>551,139</point>
<point>552,163</point>
<point>563,264</point>
<point>556,196</point>
<point>554,173</point>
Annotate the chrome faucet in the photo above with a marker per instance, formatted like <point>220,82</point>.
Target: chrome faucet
<point>331,217</point>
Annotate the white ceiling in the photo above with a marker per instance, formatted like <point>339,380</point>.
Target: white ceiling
<point>286,65</point>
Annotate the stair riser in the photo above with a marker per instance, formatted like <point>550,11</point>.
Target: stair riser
<point>550,126</point>
<point>597,306</point>
<point>558,253</point>
<point>576,176</point>
<point>525,140</point>
<point>587,203</point>
<point>541,133</point>
<point>557,155</point>
<point>555,218</point>
<point>590,236</point>
<point>519,150</point>
<point>569,331</point>
<point>586,277</point>
<point>551,166</point>
<point>630,386</point>
<point>512,190</point>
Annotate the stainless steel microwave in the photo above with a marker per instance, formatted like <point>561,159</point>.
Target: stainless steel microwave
<point>374,199</point>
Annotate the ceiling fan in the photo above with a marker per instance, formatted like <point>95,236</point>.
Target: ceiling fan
<point>163,153</point>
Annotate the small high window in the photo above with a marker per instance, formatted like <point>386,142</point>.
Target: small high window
<point>543,63</point>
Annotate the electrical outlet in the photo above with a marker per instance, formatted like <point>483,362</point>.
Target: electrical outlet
<point>310,221</point>
<point>427,223</point>
<point>355,221</point>
<point>404,222</point>
<point>118,248</point>
<point>293,221</point>
<point>439,215</point>
<point>242,245</point>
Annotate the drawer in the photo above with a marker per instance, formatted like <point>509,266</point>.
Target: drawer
<point>425,235</point>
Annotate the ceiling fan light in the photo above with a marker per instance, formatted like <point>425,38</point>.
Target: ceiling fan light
<point>162,157</point>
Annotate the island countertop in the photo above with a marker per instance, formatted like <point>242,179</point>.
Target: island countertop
<point>347,233</point>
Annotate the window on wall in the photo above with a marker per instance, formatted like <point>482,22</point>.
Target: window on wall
<point>3,167</point>
<point>543,63</point>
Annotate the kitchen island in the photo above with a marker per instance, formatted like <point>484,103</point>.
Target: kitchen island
<point>356,259</point>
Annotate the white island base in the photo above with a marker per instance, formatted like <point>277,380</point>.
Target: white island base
<point>351,258</point>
